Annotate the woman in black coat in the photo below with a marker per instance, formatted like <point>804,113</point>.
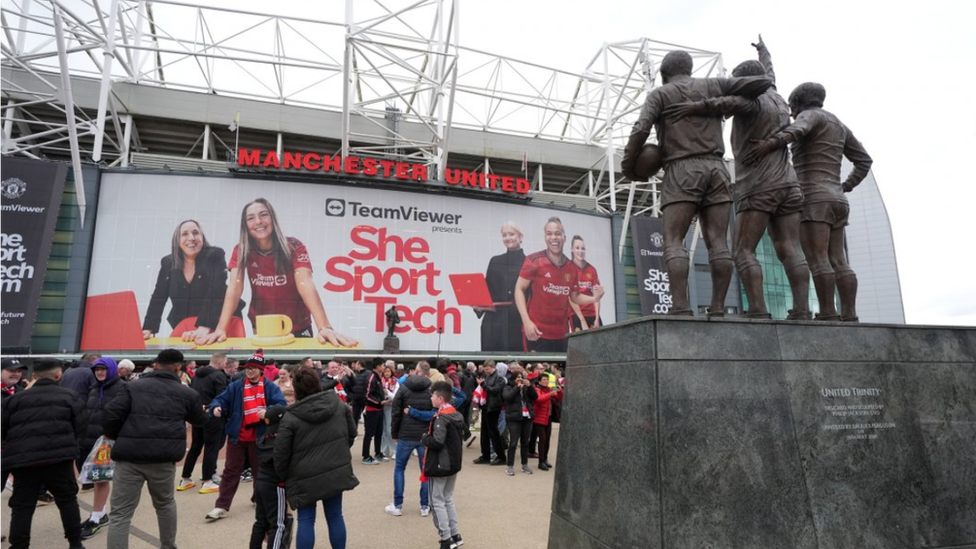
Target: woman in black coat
<point>312,454</point>
<point>194,277</point>
<point>501,325</point>
<point>108,384</point>
<point>519,396</point>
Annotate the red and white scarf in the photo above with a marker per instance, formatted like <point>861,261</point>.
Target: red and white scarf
<point>253,401</point>
<point>341,391</point>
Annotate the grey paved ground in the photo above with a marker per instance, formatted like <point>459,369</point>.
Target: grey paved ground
<point>495,511</point>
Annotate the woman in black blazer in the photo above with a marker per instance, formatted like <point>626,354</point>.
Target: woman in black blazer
<point>194,278</point>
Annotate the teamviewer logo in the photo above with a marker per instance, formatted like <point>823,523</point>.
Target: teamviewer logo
<point>335,207</point>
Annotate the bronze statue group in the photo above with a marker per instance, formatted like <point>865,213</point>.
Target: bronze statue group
<point>803,204</point>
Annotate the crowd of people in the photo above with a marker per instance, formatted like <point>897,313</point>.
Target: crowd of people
<point>288,430</point>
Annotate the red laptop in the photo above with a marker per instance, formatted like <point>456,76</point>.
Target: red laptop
<point>471,290</point>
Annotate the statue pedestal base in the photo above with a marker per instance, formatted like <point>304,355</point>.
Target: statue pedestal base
<point>391,345</point>
<point>793,435</point>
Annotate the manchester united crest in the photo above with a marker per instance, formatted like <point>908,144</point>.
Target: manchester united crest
<point>657,239</point>
<point>14,188</point>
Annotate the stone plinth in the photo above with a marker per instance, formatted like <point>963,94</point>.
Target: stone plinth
<point>391,345</point>
<point>691,433</point>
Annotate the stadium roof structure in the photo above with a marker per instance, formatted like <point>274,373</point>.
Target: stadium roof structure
<point>156,84</point>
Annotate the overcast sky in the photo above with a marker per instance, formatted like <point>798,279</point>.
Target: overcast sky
<point>900,77</point>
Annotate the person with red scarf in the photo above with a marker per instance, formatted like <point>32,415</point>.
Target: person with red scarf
<point>243,403</point>
<point>543,415</point>
<point>442,463</point>
<point>333,375</point>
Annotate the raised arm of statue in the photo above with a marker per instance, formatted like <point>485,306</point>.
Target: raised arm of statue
<point>765,59</point>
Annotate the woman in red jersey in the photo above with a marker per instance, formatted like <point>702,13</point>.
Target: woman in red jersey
<point>584,317</point>
<point>280,273</point>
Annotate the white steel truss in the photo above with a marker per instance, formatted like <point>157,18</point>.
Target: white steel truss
<point>396,70</point>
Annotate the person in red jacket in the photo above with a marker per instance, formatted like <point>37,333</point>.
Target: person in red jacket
<point>543,420</point>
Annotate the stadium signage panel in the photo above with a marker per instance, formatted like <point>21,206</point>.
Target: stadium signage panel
<point>447,263</point>
<point>647,234</point>
<point>31,195</point>
<point>374,167</point>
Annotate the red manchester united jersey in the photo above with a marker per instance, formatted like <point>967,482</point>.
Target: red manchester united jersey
<point>549,293</point>
<point>273,292</point>
<point>587,279</point>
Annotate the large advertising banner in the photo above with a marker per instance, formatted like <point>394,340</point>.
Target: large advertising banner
<point>31,198</point>
<point>223,263</point>
<point>647,235</point>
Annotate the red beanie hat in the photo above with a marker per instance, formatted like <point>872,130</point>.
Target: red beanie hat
<point>257,360</point>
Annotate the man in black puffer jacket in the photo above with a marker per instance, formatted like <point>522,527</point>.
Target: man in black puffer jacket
<point>148,422</point>
<point>407,431</point>
<point>12,384</point>
<point>40,432</point>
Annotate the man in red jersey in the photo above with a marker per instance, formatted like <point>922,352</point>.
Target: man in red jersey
<point>551,281</point>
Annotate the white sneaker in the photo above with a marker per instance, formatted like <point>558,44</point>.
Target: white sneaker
<point>209,487</point>
<point>216,514</point>
<point>394,510</point>
<point>185,484</point>
<point>424,511</point>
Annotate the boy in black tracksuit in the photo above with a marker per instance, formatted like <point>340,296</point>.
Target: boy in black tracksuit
<point>442,463</point>
<point>373,417</point>
<point>271,520</point>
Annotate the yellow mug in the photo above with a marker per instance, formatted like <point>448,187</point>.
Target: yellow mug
<point>272,325</point>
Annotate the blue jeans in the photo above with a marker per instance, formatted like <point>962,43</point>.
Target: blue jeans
<point>305,539</point>
<point>403,450</point>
